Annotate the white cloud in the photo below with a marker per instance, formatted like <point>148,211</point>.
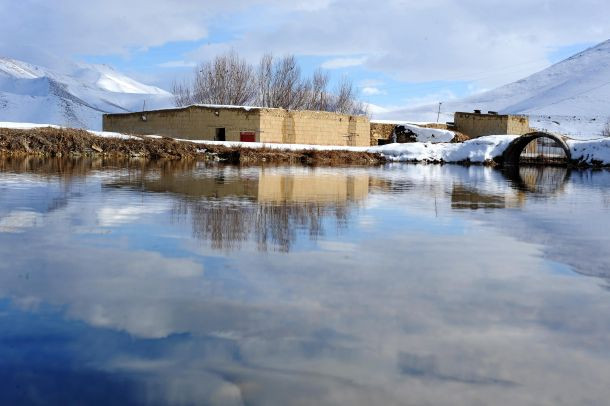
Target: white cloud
<point>489,42</point>
<point>339,63</point>
<point>432,98</point>
<point>371,91</point>
<point>177,64</point>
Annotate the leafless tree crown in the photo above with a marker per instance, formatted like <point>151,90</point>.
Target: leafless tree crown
<point>229,79</point>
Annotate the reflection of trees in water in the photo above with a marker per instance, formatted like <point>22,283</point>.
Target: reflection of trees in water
<point>227,225</point>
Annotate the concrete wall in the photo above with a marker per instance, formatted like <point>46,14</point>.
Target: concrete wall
<point>478,125</point>
<point>269,125</point>
<point>191,123</point>
<point>314,127</point>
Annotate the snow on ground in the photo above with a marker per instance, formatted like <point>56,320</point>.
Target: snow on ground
<point>25,126</point>
<point>477,150</point>
<point>430,134</point>
<point>423,134</point>
<point>591,151</point>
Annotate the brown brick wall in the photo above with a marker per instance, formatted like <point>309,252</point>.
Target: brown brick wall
<point>269,125</point>
<point>478,125</point>
<point>191,123</point>
<point>313,127</point>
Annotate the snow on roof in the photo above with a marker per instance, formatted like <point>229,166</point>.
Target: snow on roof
<point>205,106</point>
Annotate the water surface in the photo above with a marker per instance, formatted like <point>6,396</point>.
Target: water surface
<point>180,283</point>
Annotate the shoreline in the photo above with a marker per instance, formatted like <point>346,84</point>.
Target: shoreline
<point>64,142</point>
<point>54,141</point>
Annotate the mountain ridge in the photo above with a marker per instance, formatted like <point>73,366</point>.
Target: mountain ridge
<point>569,97</point>
<point>76,97</point>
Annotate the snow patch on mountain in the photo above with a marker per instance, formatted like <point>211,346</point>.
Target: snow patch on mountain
<point>570,97</point>
<point>77,97</point>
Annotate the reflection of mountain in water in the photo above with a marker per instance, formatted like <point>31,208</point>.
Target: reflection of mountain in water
<point>228,206</point>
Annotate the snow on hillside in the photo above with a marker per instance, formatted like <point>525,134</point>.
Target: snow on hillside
<point>570,97</point>
<point>76,98</point>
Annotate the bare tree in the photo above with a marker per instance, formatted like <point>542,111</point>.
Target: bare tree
<point>228,79</point>
<point>319,97</point>
<point>182,94</point>
<point>345,100</point>
<point>265,81</point>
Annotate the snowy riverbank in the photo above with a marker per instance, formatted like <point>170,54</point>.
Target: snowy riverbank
<point>480,150</point>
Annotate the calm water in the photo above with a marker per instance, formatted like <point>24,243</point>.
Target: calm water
<point>132,283</point>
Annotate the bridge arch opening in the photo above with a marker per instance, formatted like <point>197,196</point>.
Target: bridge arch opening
<point>537,148</point>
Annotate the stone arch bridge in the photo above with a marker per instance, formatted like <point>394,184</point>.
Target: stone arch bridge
<point>537,148</point>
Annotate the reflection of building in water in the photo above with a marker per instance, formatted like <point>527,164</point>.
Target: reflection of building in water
<point>228,206</point>
<point>463,197</point>
<point>286,203</point>
<point>327,188</point>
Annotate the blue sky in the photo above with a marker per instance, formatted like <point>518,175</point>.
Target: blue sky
<point>398,52</point>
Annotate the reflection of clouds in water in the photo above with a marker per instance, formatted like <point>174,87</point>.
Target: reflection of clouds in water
<point>19,221</point>
<point>478,309</point>
<point>461,315</point>
<point>115,216</point>
<point>427,367</point>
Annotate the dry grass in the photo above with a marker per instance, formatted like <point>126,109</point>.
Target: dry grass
<point>53,142</point>
<point>62,142</point>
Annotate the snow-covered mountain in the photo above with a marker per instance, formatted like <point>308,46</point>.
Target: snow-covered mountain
<point>571,97</point>
<point>75,98</point>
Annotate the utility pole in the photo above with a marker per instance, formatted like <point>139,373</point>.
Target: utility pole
<point>438,116</point>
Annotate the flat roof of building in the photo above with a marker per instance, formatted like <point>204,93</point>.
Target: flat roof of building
<point>488,114</point>
<point>226,107</point>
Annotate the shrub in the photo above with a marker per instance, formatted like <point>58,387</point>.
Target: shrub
<point>606,130</point>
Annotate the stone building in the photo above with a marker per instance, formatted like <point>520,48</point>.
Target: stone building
<point>246,124</point>
<point>478,124</point>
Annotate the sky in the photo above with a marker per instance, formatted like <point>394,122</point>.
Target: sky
<point>398,53</point>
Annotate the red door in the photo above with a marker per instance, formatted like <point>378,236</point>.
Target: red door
<point>247,136</point>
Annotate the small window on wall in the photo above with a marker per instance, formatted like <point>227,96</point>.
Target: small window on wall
<point>247,136</point>
<point>220,135</point>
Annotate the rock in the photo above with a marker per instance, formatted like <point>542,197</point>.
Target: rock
<point>96,148</point>
<point>403,135</point>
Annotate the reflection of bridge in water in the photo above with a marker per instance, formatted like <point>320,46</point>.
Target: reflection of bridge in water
<point>538,180</point>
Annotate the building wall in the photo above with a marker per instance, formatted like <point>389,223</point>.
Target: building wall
<point>191,123</point>
<point>314,127</point>
<point>518,125</point>
<point>269,125</point>
<point>478,125</point>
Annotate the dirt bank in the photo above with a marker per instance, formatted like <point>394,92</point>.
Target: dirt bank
<point>55,142</point>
